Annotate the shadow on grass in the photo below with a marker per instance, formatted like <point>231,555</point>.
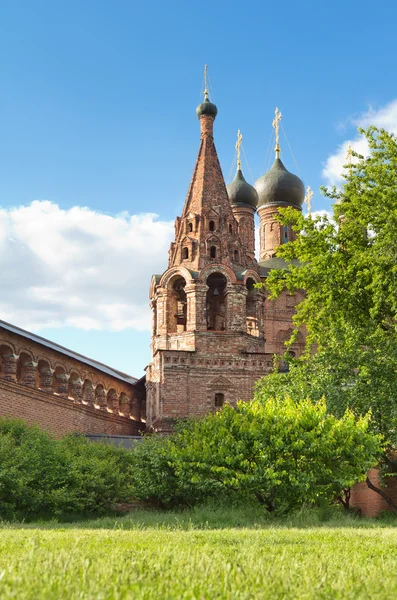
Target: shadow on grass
<point>213,517</point>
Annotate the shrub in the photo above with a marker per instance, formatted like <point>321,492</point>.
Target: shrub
<point>40,475</point>
<point>280,453</point>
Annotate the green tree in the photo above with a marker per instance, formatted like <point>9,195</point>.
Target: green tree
<point>348,270</point>
<point>281,452</point>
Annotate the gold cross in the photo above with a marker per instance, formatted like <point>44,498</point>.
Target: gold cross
<point>308,199</point>
<point>275,124</point>
<point>206,93</point>
<point>238,144</point>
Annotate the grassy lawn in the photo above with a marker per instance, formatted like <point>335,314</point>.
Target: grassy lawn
<point>200,554</point>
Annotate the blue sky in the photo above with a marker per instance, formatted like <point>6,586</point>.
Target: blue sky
<point>97,110</point>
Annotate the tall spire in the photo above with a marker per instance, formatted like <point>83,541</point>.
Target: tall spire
<point>276,120</point>
<point>206,200</point>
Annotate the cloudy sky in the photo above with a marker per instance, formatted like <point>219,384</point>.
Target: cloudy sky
<point>99,138</point>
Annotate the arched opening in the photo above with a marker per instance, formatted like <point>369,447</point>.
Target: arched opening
<point>236,255</point>
<point>216,302</point>
<point>124,404</point>
<point>46,377</point>
<point>190,227</point>
<point>88,393</point>
<point>113,400</point>
<point>176,306</point>
<point>75,388</point>
<point>286,236</point>
<point>61,385</point>
<point>100,397</point>
<point>211,225</point>
<point>26,370</point>
<point>250,308</point>
<point>185,253</point>
<point>230,228</point>
<point>8,363</point>
<point>219,399</point>
<point>213,252</point>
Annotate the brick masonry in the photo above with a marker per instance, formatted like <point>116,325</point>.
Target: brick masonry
<point>64,394</point>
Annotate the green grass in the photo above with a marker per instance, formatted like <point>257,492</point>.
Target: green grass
<point>204,554</point>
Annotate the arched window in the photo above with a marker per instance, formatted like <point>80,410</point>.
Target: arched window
<point>190,227</point>
<point>230,228</point>
<point>219,399</point>
<point>236,255</point>
<point>213,252</point>
<point>185,253</point>
<point>211,226</point>
<point>285,234</point>
<point>216,302</point>
<point>250,309</point>
<point>176,306</point>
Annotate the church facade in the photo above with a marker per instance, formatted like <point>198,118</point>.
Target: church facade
<point>214,332</point>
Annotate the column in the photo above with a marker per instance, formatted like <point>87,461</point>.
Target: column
<point>236,307</point>
<point>196,294</point>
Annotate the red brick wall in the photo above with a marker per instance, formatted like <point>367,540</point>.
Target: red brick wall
<point>369,502</point>
<point>59,415</point>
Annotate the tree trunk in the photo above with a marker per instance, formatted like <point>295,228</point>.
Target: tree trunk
<point>381,493</point>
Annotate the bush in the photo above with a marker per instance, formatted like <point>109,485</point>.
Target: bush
<point>280,453</point>
<point>40,475</point>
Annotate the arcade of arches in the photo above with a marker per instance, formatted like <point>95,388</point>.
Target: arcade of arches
<point>57,389</point>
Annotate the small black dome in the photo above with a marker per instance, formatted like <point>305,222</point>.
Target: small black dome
<point>240,192</point>
<point>279,186</point>
<point>206,108</point>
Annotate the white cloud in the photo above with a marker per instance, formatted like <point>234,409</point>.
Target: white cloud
<point>385,117</point>
<point>78,267</point>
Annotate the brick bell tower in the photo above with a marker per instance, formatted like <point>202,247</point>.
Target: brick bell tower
<point>208,318</point>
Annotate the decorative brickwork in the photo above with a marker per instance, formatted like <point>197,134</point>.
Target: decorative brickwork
<point>62,393</point>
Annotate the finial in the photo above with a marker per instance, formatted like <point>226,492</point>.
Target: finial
<point>276,120</point>
<point>308,199</point>
<point>238,145</point>
<point>206,92</point>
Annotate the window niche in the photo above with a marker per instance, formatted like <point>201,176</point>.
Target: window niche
<point>176,306</point>
<point>185,253</point>
<point>213,251</point>
<point>250,308</point>
<point>211,225</point>
<point>219,400</point>
<point>216,302</point>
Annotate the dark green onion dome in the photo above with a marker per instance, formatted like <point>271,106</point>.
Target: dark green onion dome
<point>240,192</point>
<point>206,108</point>
<point>279,186</point>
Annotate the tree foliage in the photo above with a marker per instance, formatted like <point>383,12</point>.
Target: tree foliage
<point>40,475</point>
<point>348,264</point>
<point>348,270</point>
<point>280,453</point>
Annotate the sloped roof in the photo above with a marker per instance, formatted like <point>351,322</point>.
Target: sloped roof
<point>75,355</point>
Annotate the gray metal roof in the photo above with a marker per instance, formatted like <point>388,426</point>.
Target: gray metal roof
<point>53,346</point>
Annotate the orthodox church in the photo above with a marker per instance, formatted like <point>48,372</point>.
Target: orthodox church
<point>214,332</point>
